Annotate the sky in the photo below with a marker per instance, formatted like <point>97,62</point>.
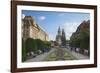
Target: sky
<point>50,21</point>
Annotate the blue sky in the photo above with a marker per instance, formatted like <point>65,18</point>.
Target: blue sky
<point>50,21</point>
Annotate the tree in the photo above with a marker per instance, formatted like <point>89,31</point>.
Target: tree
<point>30,45</point>
<point>81,38</point>
<point>23,51</point>
<point>85,39</point>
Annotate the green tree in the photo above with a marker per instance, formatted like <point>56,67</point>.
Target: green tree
<point>81,38</point>
<point>23,51</point>
<point>31,45</point>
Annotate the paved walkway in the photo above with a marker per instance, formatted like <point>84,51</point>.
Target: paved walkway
<point>77,55</point>
<point>40,57</point>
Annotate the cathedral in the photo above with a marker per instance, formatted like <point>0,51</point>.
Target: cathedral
<point>61,38</point>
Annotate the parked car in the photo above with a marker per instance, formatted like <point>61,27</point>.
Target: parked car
<point>46,50</point>
<point>39,52</point>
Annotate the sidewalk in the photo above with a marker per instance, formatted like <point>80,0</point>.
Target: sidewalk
<point>40,57</point>
<point>77,55</point>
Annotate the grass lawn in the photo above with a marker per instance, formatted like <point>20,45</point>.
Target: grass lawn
<point>54,57</point>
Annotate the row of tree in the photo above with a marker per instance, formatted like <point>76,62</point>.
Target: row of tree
<point>34,45</point>
<point>81,38</point>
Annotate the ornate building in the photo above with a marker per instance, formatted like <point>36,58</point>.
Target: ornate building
<point>58,37</point>
<point>30,29</point>
<point>61,38</point>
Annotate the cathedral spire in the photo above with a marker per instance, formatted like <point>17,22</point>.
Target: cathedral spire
<point>59,31</point>
<point>63,38</point>
<point>63,32</point>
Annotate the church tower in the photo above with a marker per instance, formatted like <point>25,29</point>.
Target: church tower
<point>63,38</point>
<point>59,31</point>
<point>58,37</point>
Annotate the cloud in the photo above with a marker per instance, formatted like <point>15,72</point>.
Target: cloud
<point>23,15</point>
<point>42,17</point>
<point>70,28</point>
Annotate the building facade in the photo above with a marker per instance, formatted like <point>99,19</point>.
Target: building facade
<point>30,29</point>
